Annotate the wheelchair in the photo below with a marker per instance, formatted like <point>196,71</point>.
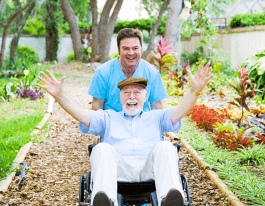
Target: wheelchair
<point>129,193</point>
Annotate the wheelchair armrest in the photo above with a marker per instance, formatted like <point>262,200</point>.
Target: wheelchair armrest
<point>90,148</point>
<point>177,146</point>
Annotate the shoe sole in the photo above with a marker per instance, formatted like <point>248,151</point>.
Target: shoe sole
<point>101,199</point>
<point>174,198</point>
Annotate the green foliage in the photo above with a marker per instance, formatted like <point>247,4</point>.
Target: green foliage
<point>252,155</point>
<point>113,56</point>
<point>86,53</point>
<point>15,132</point>
<point>142,24</point>
<point>8,91</point>
<point>81,25</point>
<point>193,58</point>
<point>246,20</point>
<point>30,76</point>
<point>34,27</point>
<point>187,28</point>
<point>256,71</point>
<point>28,54</point>
<point>71,57</point>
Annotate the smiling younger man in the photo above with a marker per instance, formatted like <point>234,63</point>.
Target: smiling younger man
<point>103,87</point>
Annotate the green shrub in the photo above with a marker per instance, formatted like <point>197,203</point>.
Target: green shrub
<point>193,58</point>
<point>256,71</point>
<point>142,24</point>
<point>245,20</point>
<point>28,54</point>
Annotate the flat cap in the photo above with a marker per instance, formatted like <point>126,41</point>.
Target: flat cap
<point>133,81</point>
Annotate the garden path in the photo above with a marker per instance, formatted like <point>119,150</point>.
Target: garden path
<point>57,163</point>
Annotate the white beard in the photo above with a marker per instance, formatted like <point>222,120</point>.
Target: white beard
<point>137,110</point>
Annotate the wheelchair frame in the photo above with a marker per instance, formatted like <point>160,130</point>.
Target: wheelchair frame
<point>129,193</point>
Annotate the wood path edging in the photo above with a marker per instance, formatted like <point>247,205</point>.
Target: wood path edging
<point>4,184</point>
<point>211,174</point>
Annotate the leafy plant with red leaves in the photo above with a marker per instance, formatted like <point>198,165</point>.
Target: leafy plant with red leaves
<point>261,139</point>
<point>205,117</point>
<point>228,140</point>
<point>244,94</point>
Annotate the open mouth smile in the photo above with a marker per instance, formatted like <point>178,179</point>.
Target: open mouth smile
<point>133,104</point>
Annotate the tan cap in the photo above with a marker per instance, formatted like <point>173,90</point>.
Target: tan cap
<point>133,81</point>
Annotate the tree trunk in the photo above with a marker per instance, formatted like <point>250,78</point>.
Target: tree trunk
<point>103,23</point>
<point>94,42</point>
<point>172,25</point>
<point>14,42</point>
<point>151,45</point>
<point>75,34</point>
<point>109,31</point>
<point>17,34</point>
<point>52,36</point>
<point>6,26</point>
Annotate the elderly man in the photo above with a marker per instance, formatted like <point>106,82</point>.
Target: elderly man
<point>132,149</point>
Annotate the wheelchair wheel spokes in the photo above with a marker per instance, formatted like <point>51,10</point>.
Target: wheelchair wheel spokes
<point>186,189</point>
<point>88,190</point>
<point>84,190</point>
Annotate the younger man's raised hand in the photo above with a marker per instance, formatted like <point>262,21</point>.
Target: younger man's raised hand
<point>51,85</point>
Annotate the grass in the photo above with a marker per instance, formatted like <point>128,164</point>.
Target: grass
<point>18,119</point>
<point>67,76</point>
<point>242,171</point>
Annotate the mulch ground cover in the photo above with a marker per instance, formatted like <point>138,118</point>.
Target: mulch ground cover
<point>57,164</point>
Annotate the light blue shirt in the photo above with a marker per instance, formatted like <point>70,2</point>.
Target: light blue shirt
<point>105,81</point>
<point>131,136</point>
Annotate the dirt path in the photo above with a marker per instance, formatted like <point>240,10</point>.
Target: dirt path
<point>57,164</point>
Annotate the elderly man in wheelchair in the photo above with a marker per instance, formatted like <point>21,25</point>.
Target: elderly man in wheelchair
<point>132,149</point>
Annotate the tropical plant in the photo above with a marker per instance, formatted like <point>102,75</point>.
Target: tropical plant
<point>165,59</point>
<point>206,117</point>
<point>256,64</point>
<point>243,92</point>
<point>228,140</point>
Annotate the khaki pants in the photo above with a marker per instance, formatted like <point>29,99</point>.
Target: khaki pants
<point>161,165</point>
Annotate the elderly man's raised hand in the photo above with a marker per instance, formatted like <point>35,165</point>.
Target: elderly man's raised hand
<point>201,78</point>
<point>51,85</point>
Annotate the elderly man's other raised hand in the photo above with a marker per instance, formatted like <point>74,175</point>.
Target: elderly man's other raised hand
<point>201,78</point>
<point>51,85</point>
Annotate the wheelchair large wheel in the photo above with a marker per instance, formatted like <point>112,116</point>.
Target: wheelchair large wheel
<point>81,190</point>
<point>88,190</point>
<point>186,189</point>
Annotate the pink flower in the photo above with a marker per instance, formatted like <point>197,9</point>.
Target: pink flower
<point>243,72</point>
<point>163,48</point>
